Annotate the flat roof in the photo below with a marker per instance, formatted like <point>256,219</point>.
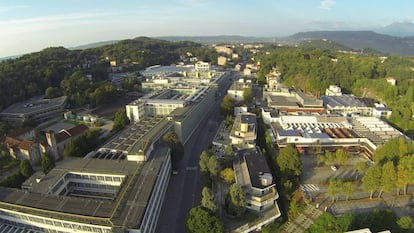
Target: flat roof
<point>33,105</point>
<point>135,139</point>
<point>96,166</point>
<point>342,101</point>
<point>126,211</point>
<point>256,166</point>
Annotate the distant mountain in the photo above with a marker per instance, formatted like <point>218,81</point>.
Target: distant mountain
<point>400,29</point>
<point>219,39</point>
<point>360,40</point>
<point>94,45</point>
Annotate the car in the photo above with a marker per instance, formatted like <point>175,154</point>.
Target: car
<point>334,168</point>
<point>175,172</point>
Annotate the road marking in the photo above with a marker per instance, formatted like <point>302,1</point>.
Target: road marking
<point>191,168</point>
<point>309,187</point>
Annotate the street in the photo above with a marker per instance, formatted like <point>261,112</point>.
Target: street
<point>184,189</point>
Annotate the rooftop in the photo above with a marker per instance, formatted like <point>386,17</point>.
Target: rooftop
<point>33,105</point>
<point>126,211</point>
<point>342,101</point>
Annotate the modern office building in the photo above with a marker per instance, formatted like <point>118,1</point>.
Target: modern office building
<point>90,195</point>
<point>36,109</point>
<point>137,142</point>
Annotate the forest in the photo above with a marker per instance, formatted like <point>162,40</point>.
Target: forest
<point>364,75</point>
<point>83,74</point>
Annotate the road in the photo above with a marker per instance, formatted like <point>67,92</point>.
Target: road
<point>184,189</point>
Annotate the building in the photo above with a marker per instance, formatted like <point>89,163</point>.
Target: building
<point>56,143</point>
<point>36,109</point>
<point>23,149</point>
<point>346,105</point>
<point>137,142</point>
<point>392,81</point>
<point>253,174</point>
<point>358,134</point>
<point>202,66</point>
<point>221,61</point>
<point>159,103</point>
<point>237,88</point>
<point>224,49</point>
<point>90,195</point>
<point>333,90</point>
<point>244,130</point>
<point>380,110</point>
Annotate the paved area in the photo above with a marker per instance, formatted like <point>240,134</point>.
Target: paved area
<point>303,221</point>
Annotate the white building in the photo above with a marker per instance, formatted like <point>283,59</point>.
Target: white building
<point>244,130</point>
<point>202,66</point>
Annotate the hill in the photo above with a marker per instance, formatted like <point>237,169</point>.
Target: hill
<point>219,39</point>
<point>360,40</point>
<point>94,45</point>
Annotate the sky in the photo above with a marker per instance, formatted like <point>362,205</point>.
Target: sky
<point>31,25</point>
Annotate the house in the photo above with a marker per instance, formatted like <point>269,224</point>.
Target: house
<point>221,60</point>
<point>253,174</point>
<point>23,149</point>
<point>56,143</point>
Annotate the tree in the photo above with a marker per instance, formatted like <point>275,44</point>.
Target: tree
<point>207,200</point>
<point>26,168</point>
<point>402,179</point>
<point>333,189</point>
<point>204,158</point>
<point>289,161</point>
<point>388,177</point>
<point>405,223</point>
<point>342,156</point>
<point>247,95</point>
<point>52,92</point>
<point>120,120</point>
<point>47,163</point>
<point>347,189</point>
<point>372,179</point>
<point>237,199</point>
<point>227,175</point>
<point>227,106</point>
<point>212,166</point>
<point>199,220</point>
<point>177,149</point>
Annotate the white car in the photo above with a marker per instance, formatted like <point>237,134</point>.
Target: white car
<point>334,168</point>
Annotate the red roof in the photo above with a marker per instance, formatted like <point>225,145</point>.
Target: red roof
<point>72,132</point>
<point>25,145</point>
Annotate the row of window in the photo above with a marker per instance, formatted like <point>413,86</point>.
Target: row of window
<point>54,222</point>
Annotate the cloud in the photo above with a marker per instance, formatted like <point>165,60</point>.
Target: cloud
<point>4,9</point>
<point>326,4</point>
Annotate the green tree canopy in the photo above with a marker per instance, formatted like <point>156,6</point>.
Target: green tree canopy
<point>289,161</point>
<point>227,175</point>
<point>207,200</point>
<point>247,95</point>
<point>199,220</point>
<point>237,199</point>
<point>372,179</point>
<point>227,106</point>
<point>120,120</point>
<point>26,168</point>
<point>47,163</point>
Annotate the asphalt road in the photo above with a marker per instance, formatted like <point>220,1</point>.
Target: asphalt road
<point>184,189</point>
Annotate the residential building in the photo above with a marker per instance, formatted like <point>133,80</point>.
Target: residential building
<point>253,174</point>
<point>244,130</point>
<point>90,195</point>
<point>36,109</point>
<point>224,49</point>
<point>23,149</point>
